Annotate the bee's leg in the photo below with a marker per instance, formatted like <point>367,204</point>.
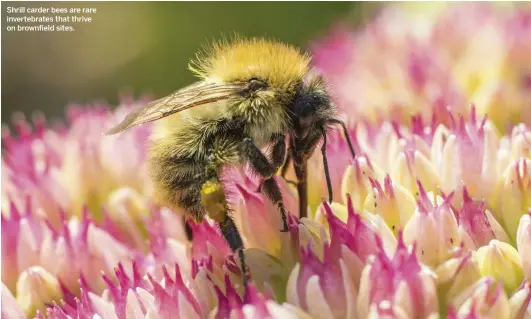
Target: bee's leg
<point>278,155</point>
<point>301,170</point>
<point>272,191</point>
<point>347,136</point>
<point>325,165</point>
<point>214,201</point>
<point>262,166</point>
<point>300,167</point>
<point>188,229</point>
<point>286,164</point>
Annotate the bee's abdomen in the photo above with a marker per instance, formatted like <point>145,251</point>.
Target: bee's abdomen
<point>179,178</point>
<point>177,182</point>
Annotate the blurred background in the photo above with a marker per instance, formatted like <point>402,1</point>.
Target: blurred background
<point>142,47</point>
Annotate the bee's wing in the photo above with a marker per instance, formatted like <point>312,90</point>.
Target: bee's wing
<point>190,96</point>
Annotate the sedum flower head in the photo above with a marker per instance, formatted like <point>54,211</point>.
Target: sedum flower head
<point>408,61</point>
<point>431,219</point>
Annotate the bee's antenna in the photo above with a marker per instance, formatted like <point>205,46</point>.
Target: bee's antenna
<point>345,132</point>
<point>325,164</point>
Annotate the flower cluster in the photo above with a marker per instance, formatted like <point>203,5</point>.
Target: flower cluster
<point>409,61</point>
<point>432,218</point>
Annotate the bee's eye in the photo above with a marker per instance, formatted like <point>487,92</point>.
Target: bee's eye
<point>256,84</point>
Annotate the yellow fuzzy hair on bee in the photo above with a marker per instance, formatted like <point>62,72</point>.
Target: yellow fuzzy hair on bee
<point>241,58</point>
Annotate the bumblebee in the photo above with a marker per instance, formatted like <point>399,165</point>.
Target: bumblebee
<point>251,93</point>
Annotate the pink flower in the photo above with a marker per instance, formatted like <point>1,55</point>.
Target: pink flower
<point>468,156</point>
<point>403,63</point>
<point>10,308</point>
<point>455,275</point>
<point>76,248</point>
<point>255,305</point>
<point>401,281</point>
<point>515,194</point>
<point>36,288</point>
<point>408,80</point>
<point>356,233</point>
<point>67,169</point>
<point>212,253</point>
<point>323,287</point>
<point>477,226</point>
<point>22,235</point>
<point>30,167</point>
<point>164,247</point>
<point>433,227</point>
<point>357,238</point>
<point>356,180</point>
<point>393,202</point>
<point>485,299</point>
<point>135,297</point>
<point>520,302</point>
<point>259,219</point>
<point>523,240</point>
<point>502,262</point>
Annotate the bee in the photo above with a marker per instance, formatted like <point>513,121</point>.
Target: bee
<point>252,93</point>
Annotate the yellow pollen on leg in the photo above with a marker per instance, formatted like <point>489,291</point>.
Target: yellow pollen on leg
<point>210,187</point>
<point>213,199</point>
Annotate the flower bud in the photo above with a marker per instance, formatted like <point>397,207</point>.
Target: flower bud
<point>501,261</point>
<point>523,241</point>
<point>413,167</point>
<point>515,195</point>
<point>485,299</point>
<point>520,302</point>
<point>128,210</point>
<point>393,203</point>
<point>456,275</point>
<point>80,247</point>
<point>477,226</point>
<point>433,228</point>
<point>260,221</point>
<point>402,281</point>
<point>356,180</point>
<point>322,288</point>
<point>36,288</point>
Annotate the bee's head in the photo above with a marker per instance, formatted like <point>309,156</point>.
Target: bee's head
<point>311,107</point>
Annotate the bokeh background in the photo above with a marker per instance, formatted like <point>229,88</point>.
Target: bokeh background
<point>143,47</point>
